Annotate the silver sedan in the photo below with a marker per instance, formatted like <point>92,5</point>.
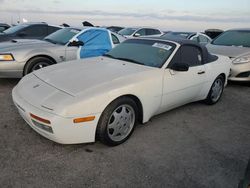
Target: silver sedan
<point>235,44</point>
<point>20,57</point>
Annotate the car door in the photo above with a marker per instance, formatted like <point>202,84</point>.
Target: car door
<point>183,87</point>
<point>140,33</point>
<point>153,32</point>
<point>96,43</point>
<point>71,52</point>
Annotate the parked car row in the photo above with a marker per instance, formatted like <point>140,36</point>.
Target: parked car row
<point>25,56</point>
<point>28,31</point>
<point>124,78</point>
<point>20,56</point>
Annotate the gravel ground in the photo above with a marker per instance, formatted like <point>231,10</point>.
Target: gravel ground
<point>192,146</point>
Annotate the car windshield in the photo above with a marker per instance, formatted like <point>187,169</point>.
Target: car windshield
<point>177,35</point>
<point>127,31</point>
<point>62,36</point>
<point>14,29</point>
<point>145,52</point>
<point>234,38</point>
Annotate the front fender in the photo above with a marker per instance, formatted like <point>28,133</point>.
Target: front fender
<point>147,89</point>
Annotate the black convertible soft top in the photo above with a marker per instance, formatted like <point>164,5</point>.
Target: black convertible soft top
<point>207,57</point>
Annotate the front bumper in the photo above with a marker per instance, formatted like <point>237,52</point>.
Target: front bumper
<point>240,72</point>
<point>61,130</point>
<point>11,69</point>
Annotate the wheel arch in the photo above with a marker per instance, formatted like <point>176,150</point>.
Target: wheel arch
<point>130,96</point>
<point>136,100</point>
<point>139,105</point>
<point>36,56</point>
<point>224,77</point>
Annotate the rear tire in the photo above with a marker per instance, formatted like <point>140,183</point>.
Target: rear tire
<point>117,121</point>
<point>216,91</point>
<point>36,63</point>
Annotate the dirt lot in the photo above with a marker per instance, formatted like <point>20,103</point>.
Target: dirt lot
<point>193,146</point>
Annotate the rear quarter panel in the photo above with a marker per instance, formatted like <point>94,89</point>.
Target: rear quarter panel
<point>221,66</point>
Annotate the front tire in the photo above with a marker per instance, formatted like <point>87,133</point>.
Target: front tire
<point>36,63</point>
<point>117,122</point>
<point>216,91</point>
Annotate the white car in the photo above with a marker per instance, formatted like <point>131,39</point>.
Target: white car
<point>132,32</point>
<point>104,97</point>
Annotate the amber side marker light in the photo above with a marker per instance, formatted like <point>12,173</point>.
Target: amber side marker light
<point>85,119</point>
<point>6,57</point>
<point>40,119</point>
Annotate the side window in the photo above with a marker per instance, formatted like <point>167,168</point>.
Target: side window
<point>157,32</point>
<point>195,39</point>
<point>115,39</point>
<point>152,32</point>
<point>191,55</point>
<point>176,59</point>
<point>142,32</point>
<point>52,29</point>
<point>36,31</point>
<point>203,39</point>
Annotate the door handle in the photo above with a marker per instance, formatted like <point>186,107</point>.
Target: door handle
<point>201,72</point>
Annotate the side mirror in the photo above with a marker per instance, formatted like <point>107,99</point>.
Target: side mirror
<point>137,35</point>
<point>22,34</point>
<point>181,67</point>
<point>76,43</point>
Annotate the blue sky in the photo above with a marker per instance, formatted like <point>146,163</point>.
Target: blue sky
<point>192,15</point>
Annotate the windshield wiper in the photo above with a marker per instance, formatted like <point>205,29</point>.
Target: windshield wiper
<point>131,60</point>
<point>123,59</point>
<point>49,40</point>
<point>108,55</point>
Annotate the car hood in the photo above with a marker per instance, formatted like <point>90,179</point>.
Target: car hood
<point>22,43</point>
<point>80,76</point>
<point>230,51</point>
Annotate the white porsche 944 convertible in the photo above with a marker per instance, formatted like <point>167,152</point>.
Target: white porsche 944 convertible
<point>104,97</point>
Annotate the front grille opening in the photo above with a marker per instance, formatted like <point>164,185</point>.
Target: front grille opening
<point>42,126</point>
<point>243,75</point>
